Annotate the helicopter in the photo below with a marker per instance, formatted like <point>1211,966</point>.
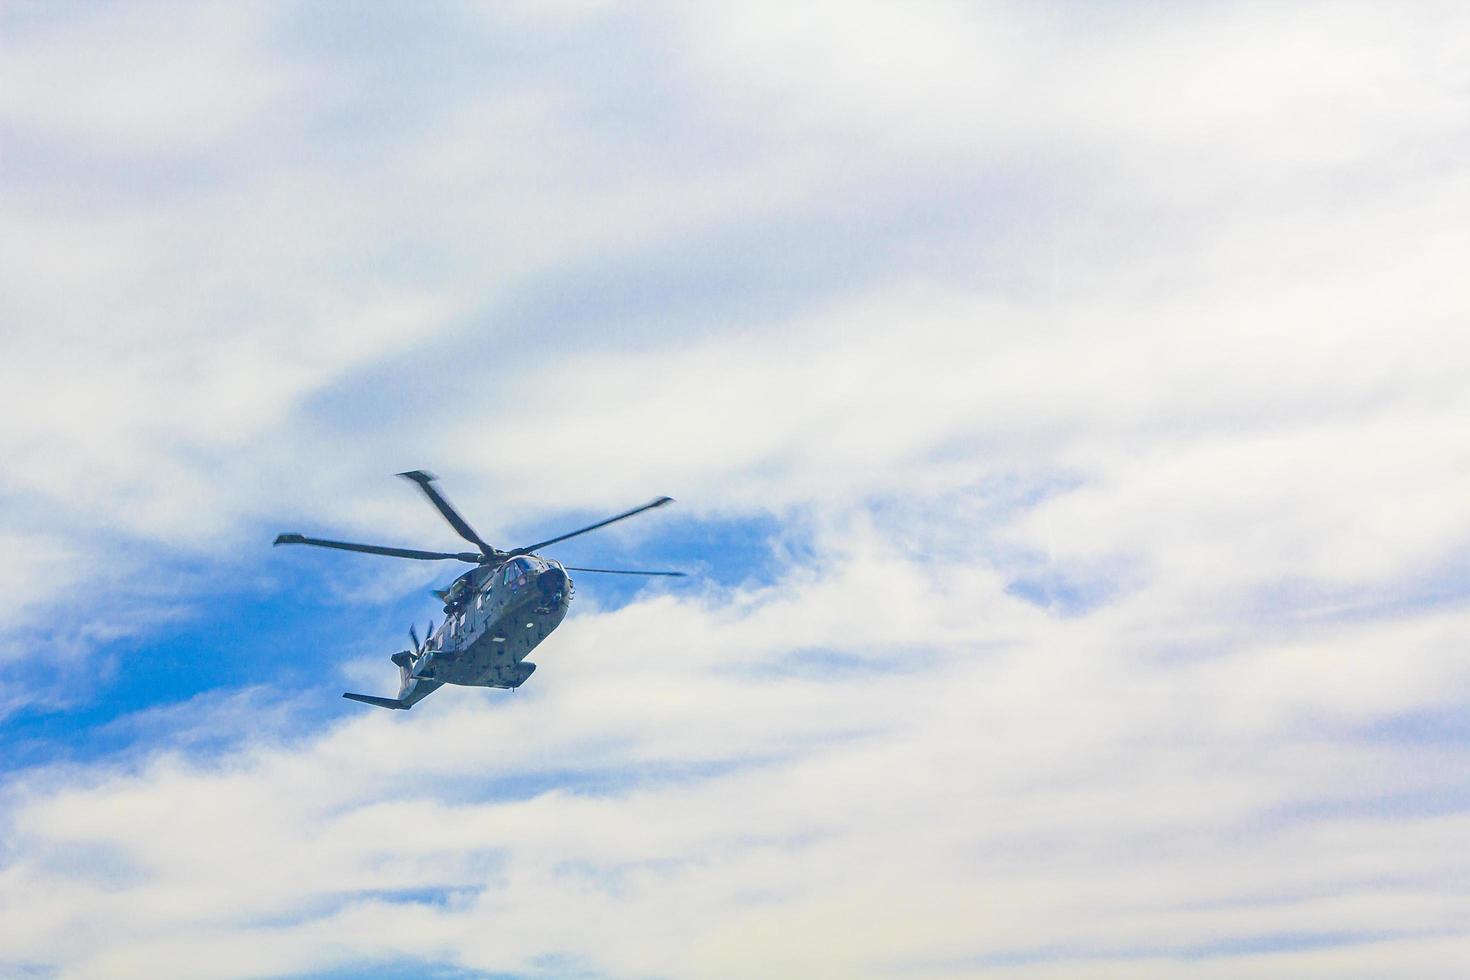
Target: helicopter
<point>495,614</point>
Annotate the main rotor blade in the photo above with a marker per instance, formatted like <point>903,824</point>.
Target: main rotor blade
<point>621,571</point>
<point>373,549</point>
<point>657,502</point>
<point>426,484</point>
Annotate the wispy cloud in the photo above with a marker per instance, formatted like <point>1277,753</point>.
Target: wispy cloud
<point>1026,785</point>
<point>1069,404</point>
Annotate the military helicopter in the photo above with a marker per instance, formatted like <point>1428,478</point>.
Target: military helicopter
<point>495,614</point>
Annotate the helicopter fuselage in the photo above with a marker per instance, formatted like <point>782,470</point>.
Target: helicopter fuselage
<point>495,615</point>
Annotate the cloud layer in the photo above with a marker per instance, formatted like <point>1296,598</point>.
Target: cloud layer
<point>1093,383</point>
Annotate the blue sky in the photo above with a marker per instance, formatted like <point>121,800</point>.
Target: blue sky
<point>1065,406</point>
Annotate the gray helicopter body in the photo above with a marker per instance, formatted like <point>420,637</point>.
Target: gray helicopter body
<point>494,615</point>
<point>497,616</point>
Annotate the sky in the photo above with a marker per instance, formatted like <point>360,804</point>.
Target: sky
<point>1065,406</point>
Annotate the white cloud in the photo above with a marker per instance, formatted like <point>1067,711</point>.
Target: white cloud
<point>1065,794</point>
<point>1156,317</point>
<point>186,82</point>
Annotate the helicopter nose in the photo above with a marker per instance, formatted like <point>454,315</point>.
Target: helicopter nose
<point>552,582</point>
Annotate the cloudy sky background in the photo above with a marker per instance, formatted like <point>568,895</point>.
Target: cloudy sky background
<point>1066,406</point>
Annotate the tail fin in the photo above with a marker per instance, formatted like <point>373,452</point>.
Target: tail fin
<point>406,686</point>
<point>404,660</point>
<point>380,702</point>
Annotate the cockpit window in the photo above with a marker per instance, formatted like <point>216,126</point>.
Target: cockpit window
<point>517,569</point>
